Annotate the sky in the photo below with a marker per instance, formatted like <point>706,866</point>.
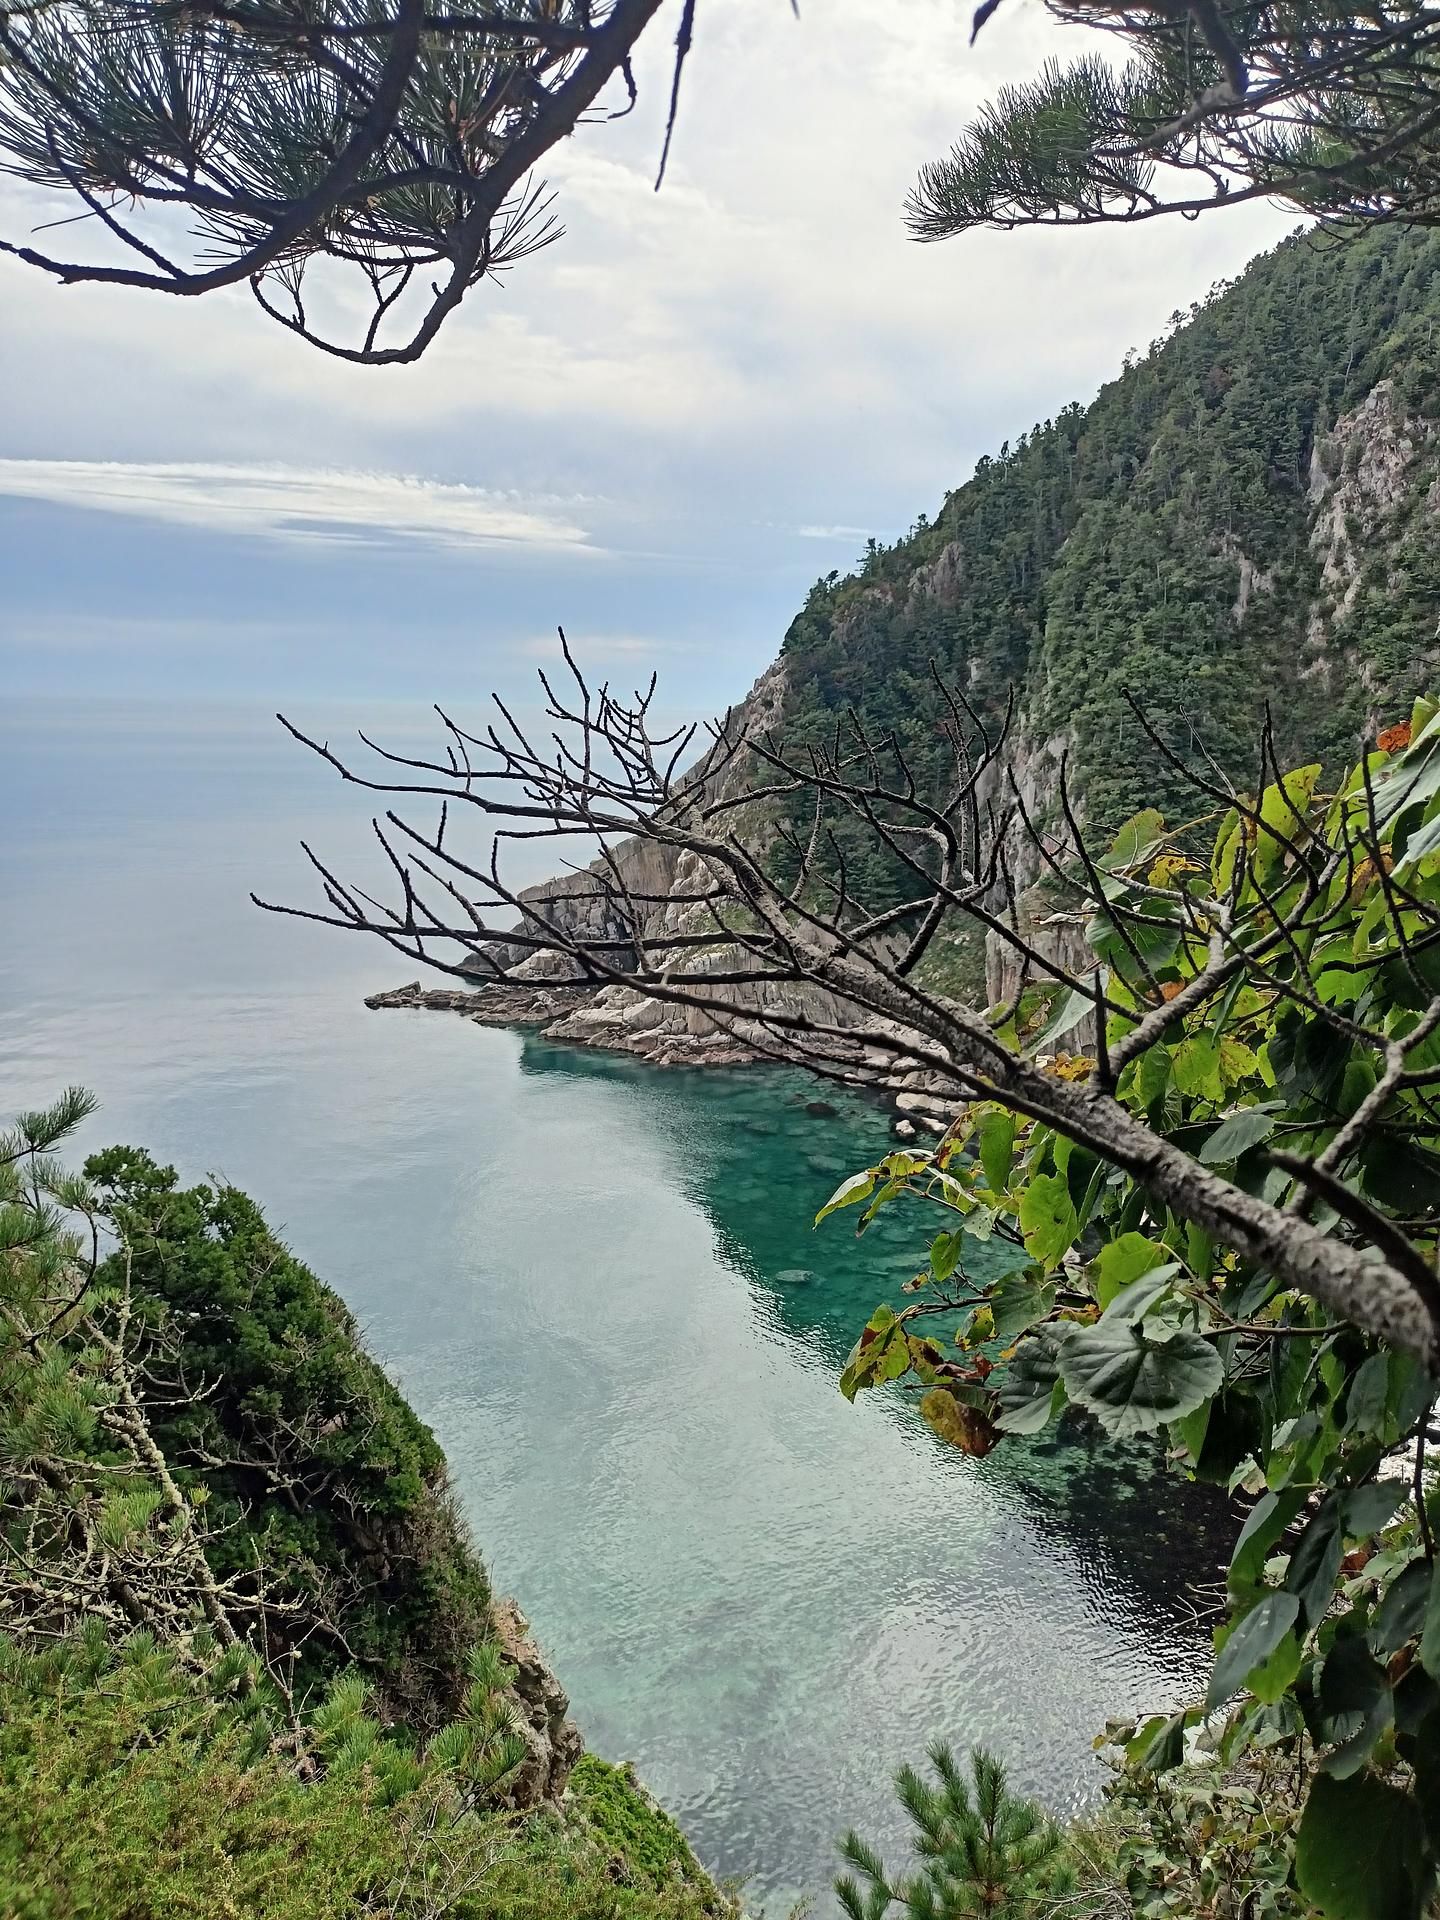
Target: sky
<point>658,432</point>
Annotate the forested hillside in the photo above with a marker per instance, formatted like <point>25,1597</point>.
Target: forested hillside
<point>1251,512</point>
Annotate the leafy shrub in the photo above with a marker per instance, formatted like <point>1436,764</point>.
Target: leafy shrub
<point>1272,1012</point>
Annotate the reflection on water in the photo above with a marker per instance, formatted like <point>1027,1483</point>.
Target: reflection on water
<point>599,1282</point>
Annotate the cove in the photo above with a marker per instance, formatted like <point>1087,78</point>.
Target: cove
<point>599,1282</point>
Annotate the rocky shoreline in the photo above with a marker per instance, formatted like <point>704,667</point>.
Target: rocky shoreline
<point>620,1020</point>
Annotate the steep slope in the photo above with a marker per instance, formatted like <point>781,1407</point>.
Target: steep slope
<point>1249,516</point>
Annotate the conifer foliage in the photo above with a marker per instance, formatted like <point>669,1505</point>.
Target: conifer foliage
<point>1333,109</point>
<point>983,1851</point>
<point>247,142</point>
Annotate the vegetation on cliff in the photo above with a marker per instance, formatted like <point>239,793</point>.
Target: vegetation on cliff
<point>248,1659</point>
<point>134,1786</point>
<point>1237,519</point>
<point>309,1458</point>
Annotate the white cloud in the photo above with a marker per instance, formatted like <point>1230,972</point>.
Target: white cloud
<point>295,503</point>
<point>845,534</point>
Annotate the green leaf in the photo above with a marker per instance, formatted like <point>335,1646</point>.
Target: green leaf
<point>1136,1300</point>
<point>1266,1524</point>
<point>1401,1614</point>
<point>997,1148</point>
<point>945,1253</point>
<point>1315,1564</point>
<point>1237,1135</point>
<point>1249,1644</point>
<point>1368,1508</point>
<point>1430,1636</point>
<point>1153,1073</point>
<point>1031,1393</point>
<point>1134,1381</point>
<point>1159,1745</point>
<point>1365,1404</point>
<point>1283,808</point>
<point>1237,1061</point>
<point>1136,840</point>
<point>1068,1012</point>
<point>1359,1854</point>
<point>1017,1303</point>
<point>1122,1260</point>
<point>1274,1679</point>
<point>1195,1064</point>
<point>847,1193</point>
<point>1048,1219</point>
<point>1356,1702</point>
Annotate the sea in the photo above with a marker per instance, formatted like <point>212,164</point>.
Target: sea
<point>599,1282</point>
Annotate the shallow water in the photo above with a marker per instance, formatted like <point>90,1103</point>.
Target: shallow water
<point>598,1281</point>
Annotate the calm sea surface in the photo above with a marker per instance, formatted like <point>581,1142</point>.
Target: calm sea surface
<point>598,1282</point>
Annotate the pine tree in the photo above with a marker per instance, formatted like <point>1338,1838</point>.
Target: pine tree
<point>983,1850</point>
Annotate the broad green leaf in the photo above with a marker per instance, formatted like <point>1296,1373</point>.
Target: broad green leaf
<point>1365,1404</point>
<point>1265,1524</point>
<point>1070,1009</point>
<point>997,1148</point>
<point>1411,780</point>
<point>1048,1219</point>
<point>847,1193</point>
<point>1017,1303</point>
<point>1133,1381</point>
<point>980,1223</point>
<point>1153,1073</point>
<point>1237,1135</point>
<point>1315,1564</point>
<point>1031,1392</point>
<point>1228,844</point>
<point>1249,1644</point>
<point>1283,808</point>
<point>1237,1061</point>
<point>1137,840</point>
<point>1430,1635</point>
<point>1359,1854</point>
<point>1159,1745</point>
<point>1273,1679</point>
<point>1195,1064</point>
<point>1356,1703</point>
<point>1401,1614</point>
<point>1368,1508</point>
<point>1122,1260</point>
<point>1135,1301</point>
<point>1190,1429</point>
<point>945,1253</point>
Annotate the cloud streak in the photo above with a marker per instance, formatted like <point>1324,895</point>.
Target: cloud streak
<point>298,505</point>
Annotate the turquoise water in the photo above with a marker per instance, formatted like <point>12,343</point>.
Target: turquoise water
<point>598,1281</point>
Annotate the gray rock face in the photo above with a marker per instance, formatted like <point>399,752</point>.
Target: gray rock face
<point>543,1713</point>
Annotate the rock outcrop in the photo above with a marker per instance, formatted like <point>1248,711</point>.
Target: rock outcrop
<point>1247,522</point>
<point>552,1740</point>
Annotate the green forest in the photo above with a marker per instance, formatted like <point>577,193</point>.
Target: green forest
<point>1100,555</point>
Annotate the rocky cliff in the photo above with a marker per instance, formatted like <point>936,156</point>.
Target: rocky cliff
<point>1248,518</point>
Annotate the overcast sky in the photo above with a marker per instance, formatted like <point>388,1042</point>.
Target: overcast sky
<point>658,432</point>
